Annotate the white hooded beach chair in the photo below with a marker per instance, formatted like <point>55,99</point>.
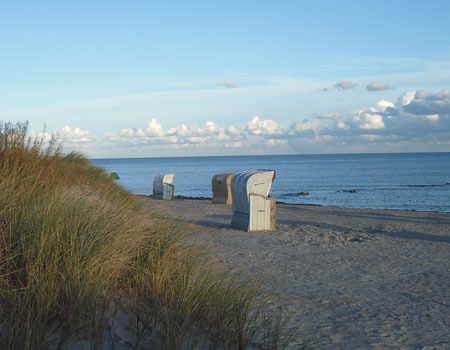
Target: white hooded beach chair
<point>162,186</point>
<point>253,209</point>
<point>221,188</point>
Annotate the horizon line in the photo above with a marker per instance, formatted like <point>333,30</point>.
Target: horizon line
<point>272,155</point>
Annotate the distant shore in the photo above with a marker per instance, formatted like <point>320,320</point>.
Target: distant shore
<point>349,278</point>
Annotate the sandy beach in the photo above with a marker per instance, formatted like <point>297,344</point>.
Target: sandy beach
<point>349,278</point>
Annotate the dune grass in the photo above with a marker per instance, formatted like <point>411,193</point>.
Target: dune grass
<point>82,264</point>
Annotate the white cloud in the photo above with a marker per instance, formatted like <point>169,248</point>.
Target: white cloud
<point>237,144</point>
<point>385,123</point>
<point>370,137</point>
<point>309,126</point>
<point>275,142</point>
<point>406,98</point>
<point>433,117</point>
<point>76,135</point>
<point>227,84</point>
<point>153,128</point>
<point>371,121</point>
<point>233,131</point>
<point>389,122</point>
<point>71,139</point>
<point>66,135</point>
<point>262,127</point>
<point>345,85</point>
<point>420,103</point>
<point>385,106</point>
<point>44,135</point>
<point>196,139</point>
<point>342,125</point>
<point>253,136</point>
<point>329,116</point>
<point>374,86</point>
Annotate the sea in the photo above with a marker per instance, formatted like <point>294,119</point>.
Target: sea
<point>403,181</point>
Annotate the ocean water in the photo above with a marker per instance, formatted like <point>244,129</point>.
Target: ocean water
<point>411,181</point>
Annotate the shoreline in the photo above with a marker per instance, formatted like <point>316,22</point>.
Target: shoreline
<point>180,197</point>
<point>349,278</point>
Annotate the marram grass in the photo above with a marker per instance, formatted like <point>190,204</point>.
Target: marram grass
<point>83,266</point>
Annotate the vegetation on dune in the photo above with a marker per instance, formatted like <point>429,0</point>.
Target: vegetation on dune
<point>82,263</point>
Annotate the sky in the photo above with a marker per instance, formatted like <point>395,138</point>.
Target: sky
<point>115,79</point>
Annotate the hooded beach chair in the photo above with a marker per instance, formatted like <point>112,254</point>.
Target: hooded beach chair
<point>162,186</point>
<point>221,188</point>
<point>253,209</point>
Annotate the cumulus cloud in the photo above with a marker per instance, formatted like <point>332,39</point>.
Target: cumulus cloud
<point>386,107</point>
<point>43,135</point>
<point>262,127</point>
<point>342,125</point>
<point>308,126</point>
<point>153,131</point>
<point>345,85</point>
<point>227,84</point>
<point>255,133</point>
<point>66,135</point>
<point>384,125</point>
<point>420,103</point>
<point>406,98</point>
<point>370,121</point>
<point>416,115</point>
<point>76,135</point>
<point>329,116</point>
<point>374,86</point>
<point>275,142</point>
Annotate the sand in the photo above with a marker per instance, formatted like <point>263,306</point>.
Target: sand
<point>349,278</point>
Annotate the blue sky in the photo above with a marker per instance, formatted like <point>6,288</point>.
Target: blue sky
<point>142,78</point>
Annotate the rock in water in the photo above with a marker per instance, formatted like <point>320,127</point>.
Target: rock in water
<point>304,193</point>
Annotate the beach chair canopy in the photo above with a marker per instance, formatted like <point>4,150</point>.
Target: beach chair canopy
<point>244,183</point>
<point>162,186</point>
<point>221,188</point>
<point>159,180</point>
